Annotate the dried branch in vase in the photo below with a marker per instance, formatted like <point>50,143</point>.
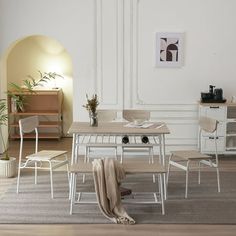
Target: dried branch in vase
<point>92,103</point>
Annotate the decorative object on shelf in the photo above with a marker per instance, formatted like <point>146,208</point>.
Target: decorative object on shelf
<point>7,164</point>
<point>233,99</point>
<point>213,96</point>
<point>169,49</point>
<point>91,106</point>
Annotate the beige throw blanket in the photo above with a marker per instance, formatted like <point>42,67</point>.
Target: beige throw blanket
<point>108,174</point>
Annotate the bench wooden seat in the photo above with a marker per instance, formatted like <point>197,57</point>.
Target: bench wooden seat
<point>130,168</point>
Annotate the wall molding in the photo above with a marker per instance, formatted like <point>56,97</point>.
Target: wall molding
<point>136,100</point>
<point>178,116</point>
<point>118,51</point>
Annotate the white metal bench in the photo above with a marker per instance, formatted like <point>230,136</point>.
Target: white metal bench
<point>130,168</point>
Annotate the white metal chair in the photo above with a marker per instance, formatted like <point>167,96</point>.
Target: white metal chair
<point>37,159</point>
<point>92,147</point>
<point>132,115</point>
<point>185,157</point>
<point>139,116</point>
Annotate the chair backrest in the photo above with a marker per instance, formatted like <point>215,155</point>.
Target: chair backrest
<point>207,124</point>
<point>106,115</point>
<point>131,115</point>
<point>28,125</point>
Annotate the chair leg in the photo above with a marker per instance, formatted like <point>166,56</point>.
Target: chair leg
<point>86,159</point>
<point>73,191</point>
<point>161,193</point>
<point>121,156</point>
<point>35,172</point>
<point>168,170</point>
<point>218,178</point>
<point>68,176</point>
<point>152,155</point>
<point>186,187</point>
<point>86,154</point>
<point>18,180</point>
<point>199,172</point>
<point>51,179</point>
<point>149,156</point>
<point>116,154</point>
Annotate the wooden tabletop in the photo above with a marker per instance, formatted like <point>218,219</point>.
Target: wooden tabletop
<point>117,128</point>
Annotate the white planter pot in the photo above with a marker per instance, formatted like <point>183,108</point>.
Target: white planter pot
<point>8,168</point>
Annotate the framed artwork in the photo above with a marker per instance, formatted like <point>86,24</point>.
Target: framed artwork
<point>169,49</point>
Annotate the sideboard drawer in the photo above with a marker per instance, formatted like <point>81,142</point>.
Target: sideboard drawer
<point>214,111</point>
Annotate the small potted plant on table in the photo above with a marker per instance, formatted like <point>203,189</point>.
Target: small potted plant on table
<point>91,106</point>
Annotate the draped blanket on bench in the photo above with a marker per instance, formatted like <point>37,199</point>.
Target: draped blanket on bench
<point>108,174</point>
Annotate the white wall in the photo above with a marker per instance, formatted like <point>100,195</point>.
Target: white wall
<point>112,45</point>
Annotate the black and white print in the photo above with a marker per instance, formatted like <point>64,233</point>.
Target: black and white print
<point>169,50</point>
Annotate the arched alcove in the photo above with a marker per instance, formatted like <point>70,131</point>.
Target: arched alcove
<point>37,53</point>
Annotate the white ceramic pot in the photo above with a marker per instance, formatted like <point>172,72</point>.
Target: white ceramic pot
<point>8,168</point>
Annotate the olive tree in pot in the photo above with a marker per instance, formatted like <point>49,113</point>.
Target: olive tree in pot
<point>7,164</point>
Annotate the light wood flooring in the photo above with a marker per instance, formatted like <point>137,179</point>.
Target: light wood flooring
<point>226,163</point>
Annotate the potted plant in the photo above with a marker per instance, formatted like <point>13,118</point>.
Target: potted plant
<point>17,93</point>
<point>91,106</point>
<point>7,163</point>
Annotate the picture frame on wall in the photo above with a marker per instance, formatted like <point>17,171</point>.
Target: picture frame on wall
<point>169,49</point>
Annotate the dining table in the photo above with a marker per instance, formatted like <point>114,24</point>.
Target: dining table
<point>110,134</point>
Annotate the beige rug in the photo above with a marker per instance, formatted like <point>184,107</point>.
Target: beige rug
<point>205,205</point>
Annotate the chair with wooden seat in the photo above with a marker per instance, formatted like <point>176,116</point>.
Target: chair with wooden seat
<point>183,158</point>
<point>53,158</point>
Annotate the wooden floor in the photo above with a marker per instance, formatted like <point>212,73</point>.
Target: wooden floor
<point>118,230</point>
<point>226,163</point>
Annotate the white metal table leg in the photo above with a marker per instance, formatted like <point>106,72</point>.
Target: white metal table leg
<point>161,194</point>
<point>164,164</point>
<point>186,187</point>
<point>73,192</point>
<point>68,174</point>
<point>73,150</point>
